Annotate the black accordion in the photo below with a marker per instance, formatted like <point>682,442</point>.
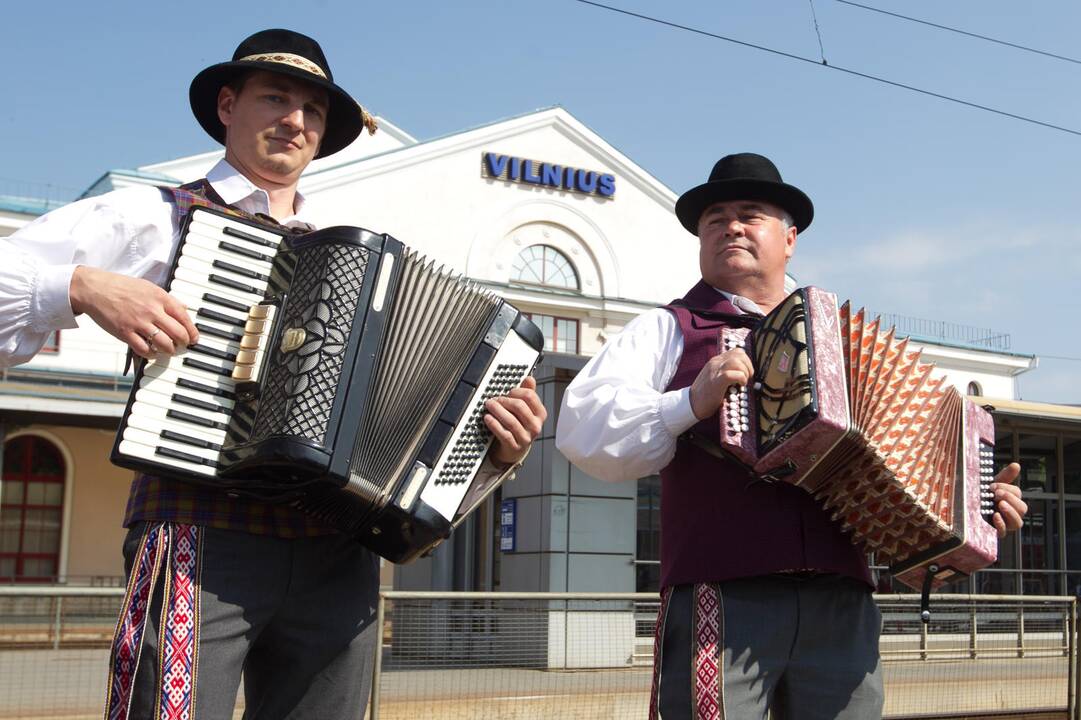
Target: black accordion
<point>337,371</point>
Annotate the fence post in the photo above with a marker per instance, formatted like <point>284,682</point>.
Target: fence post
<point>923,640</point>
<point>1075,658</point>
<point>1020,629</point>
<point>377,666</point>
<point>57,621</point>
<point>972,631</point>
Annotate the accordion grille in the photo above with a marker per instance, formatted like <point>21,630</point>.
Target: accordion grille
<point>298,393</point>
<point>436,322</point>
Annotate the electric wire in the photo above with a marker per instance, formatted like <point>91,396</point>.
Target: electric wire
<point>838,68</point>
<point>814,16</point>
<point>963,32</point>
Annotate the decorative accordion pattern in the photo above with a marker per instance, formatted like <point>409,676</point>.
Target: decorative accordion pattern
<point>337,371</point>
<point>844,409</point>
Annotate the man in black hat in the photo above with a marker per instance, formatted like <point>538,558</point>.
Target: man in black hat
<point>220,585</point>
<point>766,605</point>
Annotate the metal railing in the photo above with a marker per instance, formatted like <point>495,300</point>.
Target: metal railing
<point>940,330</point>
<point>572,655</point>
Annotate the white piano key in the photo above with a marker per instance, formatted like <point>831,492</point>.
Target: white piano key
<point>154,404</point>
<point>154,439</point>
<point>177,361</point>
<point>164,366</point>
<point>193,296</point>
<point>161,394</point>
<point>200,247</point>
<point>183,274</point>
<point>211,223</point>
<point>134,449</point>
<point>206,269</point>
<point>152,423</point>
<point>170,377</point>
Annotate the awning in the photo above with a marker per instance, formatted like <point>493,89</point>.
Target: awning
<point>1032,410</point>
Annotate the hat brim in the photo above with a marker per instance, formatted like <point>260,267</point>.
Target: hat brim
<point>693,203</point>
<point>345,119</point>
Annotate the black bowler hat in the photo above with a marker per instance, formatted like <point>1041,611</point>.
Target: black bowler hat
<point>744,176</point>
<point>287,53</point>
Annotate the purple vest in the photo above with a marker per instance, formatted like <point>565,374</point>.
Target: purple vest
<point>717,522</point>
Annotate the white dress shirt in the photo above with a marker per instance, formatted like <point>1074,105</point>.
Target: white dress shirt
<point>131,231</point>
<point>616,421</point>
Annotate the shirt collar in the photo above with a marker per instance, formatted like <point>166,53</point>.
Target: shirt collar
<point>239,191</point>
<point>744,305</point>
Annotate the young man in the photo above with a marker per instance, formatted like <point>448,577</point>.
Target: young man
<point>766,605</point>
<point>248,586</point>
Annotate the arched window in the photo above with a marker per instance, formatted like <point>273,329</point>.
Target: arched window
<point>31,510</point>
<point>544,265</point>
<point>974,389</point>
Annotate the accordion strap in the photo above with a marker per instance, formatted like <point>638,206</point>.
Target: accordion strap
<point>748,320</point>
<point>718,451</point>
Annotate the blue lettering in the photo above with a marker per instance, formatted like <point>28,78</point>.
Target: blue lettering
<point>551,174</point>
<point>496,164</point>
<point>515,168</point>
<point>528,174</point>
<point>568,178</point>
<point>586,181</point>
<point>606,186</point>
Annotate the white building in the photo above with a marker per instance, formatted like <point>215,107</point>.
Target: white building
<point>538,207</point>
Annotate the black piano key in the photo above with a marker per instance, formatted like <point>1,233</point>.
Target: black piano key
<point>195,420</point>
<point>212,352</point>
<point>237,270</point>
<point>237,249</point>
<point>218,332</point>
<point>250,237</point>
<point>203,388</point>
<point>207,367</point>
<point>226,302</point>
<point>177,455</point>
<point>201,404</point>
<point>188,440</point>
<point>221,317</point>
<point>230,283</point>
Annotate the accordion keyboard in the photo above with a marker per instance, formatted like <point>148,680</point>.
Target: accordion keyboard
<point>180,413</point>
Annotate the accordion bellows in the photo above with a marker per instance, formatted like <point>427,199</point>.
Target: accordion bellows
<point>844,409</point>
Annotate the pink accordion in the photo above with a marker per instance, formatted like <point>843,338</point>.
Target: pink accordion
<point>841,408</point>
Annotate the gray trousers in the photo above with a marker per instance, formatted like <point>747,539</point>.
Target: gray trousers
<point>296,617</point>
<point>793,647</point>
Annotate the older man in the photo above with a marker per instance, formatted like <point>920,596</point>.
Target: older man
<point>249,586</point>
<point>766,605</point>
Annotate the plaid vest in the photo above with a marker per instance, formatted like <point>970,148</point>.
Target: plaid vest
<point>156,499</point>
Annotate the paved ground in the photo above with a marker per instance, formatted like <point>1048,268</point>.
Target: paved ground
<point>69,684</point>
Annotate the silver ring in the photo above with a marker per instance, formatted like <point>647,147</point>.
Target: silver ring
<point>150,337</point>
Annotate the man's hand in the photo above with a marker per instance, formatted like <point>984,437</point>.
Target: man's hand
<point>1010,509</point>
<point>137,312</point>
<point>515,420</point>
<point>721,372</point>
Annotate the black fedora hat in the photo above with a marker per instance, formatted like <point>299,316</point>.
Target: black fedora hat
<point>744,176</point>
<point>287,53</point>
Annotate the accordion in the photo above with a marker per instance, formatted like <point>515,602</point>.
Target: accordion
<point>337,371</point>
<point>842,408</point>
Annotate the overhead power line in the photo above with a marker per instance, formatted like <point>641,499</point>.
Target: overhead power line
<point>814,16</point>
<point>837,68</point>
<point>962,32</point>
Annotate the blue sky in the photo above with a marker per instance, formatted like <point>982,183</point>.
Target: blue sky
<point>923,208</point>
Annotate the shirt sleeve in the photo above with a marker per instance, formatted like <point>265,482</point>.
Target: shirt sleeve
<point>128,231</point>
<point>616,421</point>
